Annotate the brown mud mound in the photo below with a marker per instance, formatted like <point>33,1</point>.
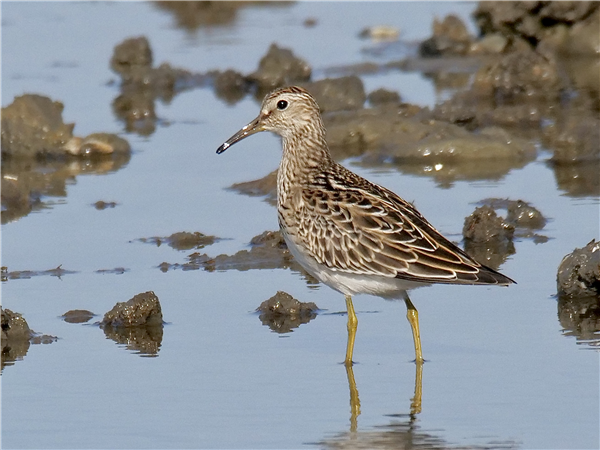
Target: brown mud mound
<point>77,316</point>
<point>142,309</point>
<point>489,238</point>
<point>16,337</point>
<point>282,312</point>
<point>137,323</point>
<point>579,272</point>
<point>279,67</point>
<point>183,240</point>
<point>578,286</point>
<point>142,84</point>
<point>193,15</point>
<point>40,154</point>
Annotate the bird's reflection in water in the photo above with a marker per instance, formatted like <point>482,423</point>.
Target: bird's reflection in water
<point>402,432</point>
<point>415,402</point>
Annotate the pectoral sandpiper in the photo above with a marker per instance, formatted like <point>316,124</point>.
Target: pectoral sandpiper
<point>353,235</point>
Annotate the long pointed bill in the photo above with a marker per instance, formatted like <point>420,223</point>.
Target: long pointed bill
<point>251,128</point>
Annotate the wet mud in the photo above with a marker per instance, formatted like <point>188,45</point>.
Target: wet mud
<point>578,286</point>
<point>183,240</point>
<point>101,204</point>
<point>77,316</point>
<point>193,15</point>
<point>528,80</point>
<point>137,324</point>
<point>579,272</point>
<point>530,75</point>
<point>523,90</point>
<point>141,84</point>
<point>115,271</point>
<point>268,250</point>
<point>17,337</point>
<point>40,154</point>
<point>488,237</point>
<point>282,312</point>
<point>141,310</point>
<point>25,274</point>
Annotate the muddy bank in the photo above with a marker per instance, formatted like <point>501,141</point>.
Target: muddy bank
<point>282,312</point>
<point>40,154</point>
<point>513,87</point>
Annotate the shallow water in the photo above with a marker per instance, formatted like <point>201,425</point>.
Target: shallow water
<point>500,370</point>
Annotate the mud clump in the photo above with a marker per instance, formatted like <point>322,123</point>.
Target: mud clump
<point>25,274</point>
<point>137,323</point>
<point>33,127</point>
<point>523,74</point>
<point>142,309</point>
<point>132,60</point>
<point>488,237</point>
<point>338,94</point>
<point>142,84</point>
<point>231,86</point>
<point>279,67</point>
<point>77,316</point>
<point>282,312</point>
<point>382,97</point>
<point>14,326</point>
<point>115,271</point>
<point>101,205</point>
<point>16,337</point>
<point>40,154</point>
<point>484,225</point>
<point>268,250</point>
<point>450,37</point>
<point>579,272</point>
<point>522,215</point>
<point>193,15</point>
<point>534,22</point>
<point>264,187</point>
<point>578,286</point>
<point>183,240</point>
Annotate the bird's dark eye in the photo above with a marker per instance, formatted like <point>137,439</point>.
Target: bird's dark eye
<point>282,104</point>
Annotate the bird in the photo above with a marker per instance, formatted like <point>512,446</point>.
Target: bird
<point>353,235</point>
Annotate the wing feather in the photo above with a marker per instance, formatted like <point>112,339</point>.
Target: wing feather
<point>351,225</point>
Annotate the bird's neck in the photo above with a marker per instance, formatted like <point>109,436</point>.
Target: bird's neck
<point>304,153</point>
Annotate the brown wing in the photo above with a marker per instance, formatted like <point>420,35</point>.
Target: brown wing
<point>367,229</point>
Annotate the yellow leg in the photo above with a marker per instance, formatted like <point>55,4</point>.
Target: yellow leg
<point>354,400</point>
<point>415,404</point>
<point>352,325</point>
<point>413,317</point>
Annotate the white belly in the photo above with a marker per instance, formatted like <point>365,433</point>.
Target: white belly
<point>350,283</point>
